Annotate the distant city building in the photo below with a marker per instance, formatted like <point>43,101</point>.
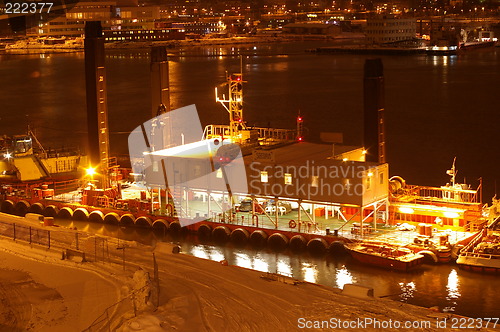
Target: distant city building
<point>200,28</point>
<point>311,29</point>
<point>389,30</point>
<point>114,15</point>
<point>144,35</point>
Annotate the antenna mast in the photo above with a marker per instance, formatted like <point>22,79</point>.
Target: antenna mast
<point>234,104</point>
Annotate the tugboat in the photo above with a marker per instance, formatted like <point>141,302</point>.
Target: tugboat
<point>482,254</point>
<point>24,160</point>
<point>386,255</point>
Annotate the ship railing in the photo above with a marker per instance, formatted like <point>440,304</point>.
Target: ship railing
<point>446,194</point>
<point>480,255</point>
<point>66,186</point>
<point>59,152</point>
<point>214,131</point>
<point>475,241</point>
<point>275,134</point>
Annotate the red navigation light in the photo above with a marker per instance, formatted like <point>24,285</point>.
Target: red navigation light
<point>240,121</point>
<point>238,78</point>
<point>299,119</point>
<point>300,139</point>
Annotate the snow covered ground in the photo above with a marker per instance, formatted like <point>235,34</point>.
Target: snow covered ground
<point>40,292</point>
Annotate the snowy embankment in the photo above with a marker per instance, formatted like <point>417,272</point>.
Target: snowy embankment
<point>39,292</point>
<point>195,295</point>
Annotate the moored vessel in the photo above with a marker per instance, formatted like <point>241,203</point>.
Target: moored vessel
<point>386,255</point>
<point>23,160</point>
<point>482,254</point>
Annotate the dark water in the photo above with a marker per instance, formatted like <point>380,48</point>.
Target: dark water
<point>437,108</point>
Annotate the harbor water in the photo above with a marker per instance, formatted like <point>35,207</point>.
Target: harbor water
<point>437,107</point>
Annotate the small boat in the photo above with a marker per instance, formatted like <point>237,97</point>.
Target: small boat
<point>386,255</point>
<point>482,254</point>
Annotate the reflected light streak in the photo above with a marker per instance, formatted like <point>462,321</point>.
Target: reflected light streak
<point>453,290</point>
<point>260,264</point>
<point>452,286</point>
<point>243,260</point>
<point>216,255</point>
<point>199,252</point>
<point>310,273</point>
<point>342,277</point>
<point>283,267</point>
<point>407,290</point>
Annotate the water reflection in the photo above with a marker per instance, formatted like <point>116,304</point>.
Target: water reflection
<point>453,290</point>
<point>343,276</point>
<point>199,252</point>
<point>283,267</point>
<point>243,260</point>
<point>407,290</point>
<point>260,264</point>
<point>216,254</point>
<point>310,272</point>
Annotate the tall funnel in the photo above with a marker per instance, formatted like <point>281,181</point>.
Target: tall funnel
<point>160,94</point>
<point>374,122</point>
<point>97,108</point>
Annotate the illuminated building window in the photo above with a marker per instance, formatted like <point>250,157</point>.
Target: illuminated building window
<point>288,178</point>
<point>381,176</point>
<point>368,182</point>
<point>219,173</point>
<point>263,176</point>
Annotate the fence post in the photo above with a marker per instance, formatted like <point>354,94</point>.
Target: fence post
<point>30,234</point>
<point>76,240</point>
<point>14,225</point>
<point>48,236</point>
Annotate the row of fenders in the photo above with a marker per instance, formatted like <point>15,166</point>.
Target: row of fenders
<point>22,207</point>
<point>220,234</point>
<point>258,238</point>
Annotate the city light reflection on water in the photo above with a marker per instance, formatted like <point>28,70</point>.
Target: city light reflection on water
<point>343,276</point>
<point>310,272</point>
<point>407,290</point>
<point>453,290</point>
<point>283,267</point>
<point>243,260</point>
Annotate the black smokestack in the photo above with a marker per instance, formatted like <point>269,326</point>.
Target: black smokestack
<point>95,81</point>
<point>160,95</point>
<point>374,131</point>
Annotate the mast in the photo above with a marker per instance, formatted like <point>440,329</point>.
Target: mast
<point>234,104</point>
<point>452,172</point>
